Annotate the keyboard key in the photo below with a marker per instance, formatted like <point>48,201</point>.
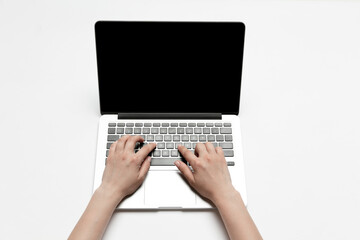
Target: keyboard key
<point>163,161</point>
<point>226,145</point>
<point>200,124</point>
<point>172,130</point>
<point>147,124</point>
<point>159,138</point>
<point>183,124</point>
<point>228,153</point>
<point>146,130</point>
<point>187,145</point>
<point>191,124</point>
<point>163,130</point>
<point>112,124</point>
<point>230,163</point>
<point>219,138</point>
<point>228,138</point>
<point>180,131</point>
<point>167,138</point>
<point>225,130</point>
<point>156,124</point>
<point>197,130</point>
<point>174,153</point>
<point>227,124</point>
<point>211,138</point>
<point>121,124</point>
<point>150,138</point>
<point>206,130</point>
<point>120,130</point>
<point>218,124</point>
<point>112,137</point>
<point>194,138</point>
<point>165,153</point>
<point>154,130</point>
<point>137,130</point>
<point>130,124</point>
<point>170,145</point>
<point>202,138</point>
<point>108,145</point>
<point>176,138</point>
<point>215,130</point>
<point>184,138</point>
<point>160,145</point>
<point>174,124</point>
<point>128,130</point>
<point>157,153</point>
<point>209,124</point>
<point>139,124</point>
<point>189,130</point>
<point>111,131</point>
<point>165,124</point>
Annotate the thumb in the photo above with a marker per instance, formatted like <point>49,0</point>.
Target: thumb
<point>145,167</point>
<point>185,170</point>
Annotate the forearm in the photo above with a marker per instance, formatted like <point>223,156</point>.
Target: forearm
<point>236,218</point>
<point>94,220</point>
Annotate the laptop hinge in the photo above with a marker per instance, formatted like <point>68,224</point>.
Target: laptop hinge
<point>169,115</point>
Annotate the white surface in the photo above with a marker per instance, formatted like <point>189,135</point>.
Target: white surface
<point>299,112</point>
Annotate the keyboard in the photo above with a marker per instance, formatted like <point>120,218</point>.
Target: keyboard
<point>169,135</point>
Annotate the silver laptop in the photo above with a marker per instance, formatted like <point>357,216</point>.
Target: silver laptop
<point>172,83</point>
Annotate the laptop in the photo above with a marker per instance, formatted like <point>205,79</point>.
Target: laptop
<point>172,83</point>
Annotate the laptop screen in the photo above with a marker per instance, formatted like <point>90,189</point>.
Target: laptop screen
<point>169,66</point>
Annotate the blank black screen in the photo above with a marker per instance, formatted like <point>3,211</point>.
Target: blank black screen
<point>169,66</point>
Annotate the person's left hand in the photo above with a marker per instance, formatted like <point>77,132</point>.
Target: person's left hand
<point>126,170</point>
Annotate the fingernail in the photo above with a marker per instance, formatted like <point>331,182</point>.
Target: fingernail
<point>177,163</point>
<point>148,158</point>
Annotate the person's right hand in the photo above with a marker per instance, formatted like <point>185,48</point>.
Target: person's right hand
<point>210,176</point>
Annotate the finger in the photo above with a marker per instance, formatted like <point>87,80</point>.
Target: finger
<point>130,144</point>
<point>210,148</point>
<point>187,154</point>
<point>144,151</point>
<point>145,168</point>
<point>185,170</point>
<point>112,149</point>
<point>219,151</point>
<point>200,149</point>
<point>121,143</point>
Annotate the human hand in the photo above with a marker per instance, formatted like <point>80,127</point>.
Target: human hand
<point>126,170</point>
<point>210,176</point>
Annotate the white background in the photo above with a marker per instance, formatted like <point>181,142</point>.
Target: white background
<point>299,114</point>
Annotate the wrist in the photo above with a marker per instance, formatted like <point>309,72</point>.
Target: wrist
<point>109,194</point>
<point>225,196</point>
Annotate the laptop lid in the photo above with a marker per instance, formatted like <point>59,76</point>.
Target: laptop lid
<point>169,67</point>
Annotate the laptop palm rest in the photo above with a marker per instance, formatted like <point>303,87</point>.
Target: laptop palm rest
<point>168,189</point>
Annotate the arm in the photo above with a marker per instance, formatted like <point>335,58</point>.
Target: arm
<point>124,173</point>
<point>211,178</point>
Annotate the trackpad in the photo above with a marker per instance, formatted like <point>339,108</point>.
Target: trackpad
<point>167,189</point>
